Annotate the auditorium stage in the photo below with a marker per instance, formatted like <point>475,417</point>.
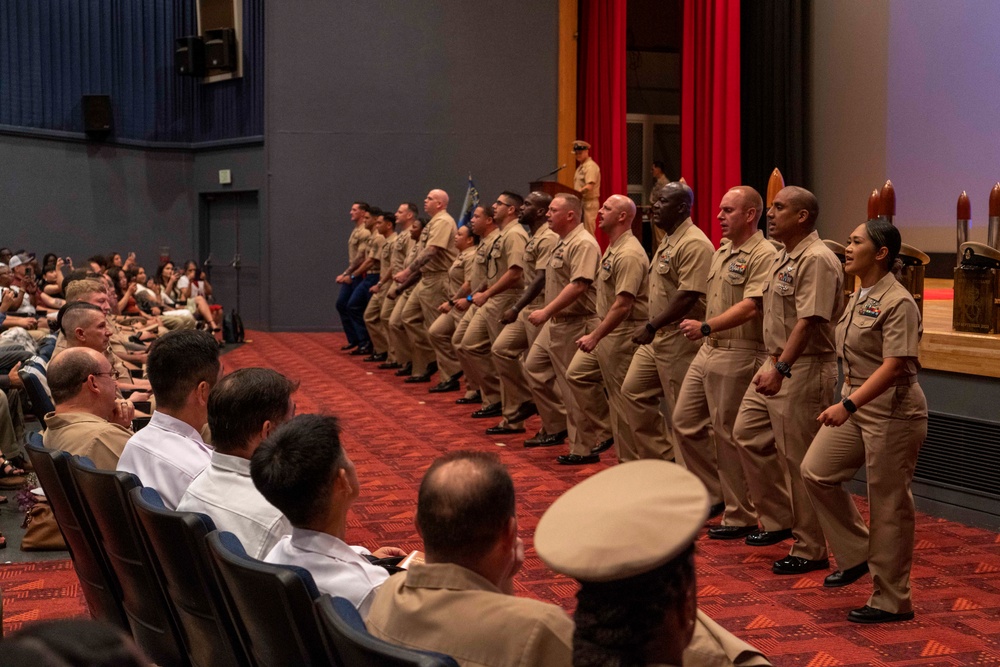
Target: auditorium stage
<point>943,349</point>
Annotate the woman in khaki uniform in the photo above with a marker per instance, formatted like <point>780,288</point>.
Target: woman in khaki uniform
<point>881,423</point>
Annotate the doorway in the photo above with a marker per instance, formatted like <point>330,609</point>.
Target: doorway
<point>230,249</point>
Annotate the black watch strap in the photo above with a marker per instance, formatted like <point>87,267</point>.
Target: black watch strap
<point>849,405</point>
<point>705,329</point>
<point>783,368</point>
<point>650,328</point>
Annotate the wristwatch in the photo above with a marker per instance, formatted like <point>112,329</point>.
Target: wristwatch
<point>469,298</point>
<point>705,329</point>
<point>650,328</point>
<point>849,405</point>
<point>783,368</point>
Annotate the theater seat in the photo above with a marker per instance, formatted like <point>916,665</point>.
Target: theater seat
<point>149,612</point>
<point>177,540</point>
<point>345,631</point>
<point>274,604</point>
<point>100,586</point>
<point>36,385</point>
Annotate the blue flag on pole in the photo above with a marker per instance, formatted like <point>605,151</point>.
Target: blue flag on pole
<point>470,203</point>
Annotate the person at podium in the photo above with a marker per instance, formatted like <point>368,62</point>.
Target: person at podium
<point>587,181</point>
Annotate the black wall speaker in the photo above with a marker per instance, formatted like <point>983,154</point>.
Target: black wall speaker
<point>220,49</point>
<point>189,56</point>
<point>97,118</point>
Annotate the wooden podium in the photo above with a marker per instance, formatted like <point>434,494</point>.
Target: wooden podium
<point>552,188</point>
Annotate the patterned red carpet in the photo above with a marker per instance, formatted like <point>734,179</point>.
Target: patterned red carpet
<point>393,431</point>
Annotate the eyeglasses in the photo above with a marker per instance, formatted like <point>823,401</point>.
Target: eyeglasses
<point>113,374</point>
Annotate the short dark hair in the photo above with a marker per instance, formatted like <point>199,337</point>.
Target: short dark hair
<point>363,205</point>
<point>72,309</point>
<point>68,371</point>
<point>659,165</point>
<point>242,401</point>
<point>886,235</point>
<point>178,362</point>
<point>518,199</point>
<point>462,519</point>
<point>295,467</point>
<point>375,212</point>
<point>389,217</point>
<point>413,207</point>
<point>100,260</point>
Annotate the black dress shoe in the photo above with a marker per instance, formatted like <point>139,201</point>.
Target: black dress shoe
<point>797,565</point>
<point>603,446</point>
<point>503,430</point>
<point>468,400</point>
<point>716,510</point>
<point>577,460</point>
<point>730,532</point>
<point>445,386</point>
<point>390,366</point>
<point>377,356</point>
<point>872,615</point>
<point>418,379</point>
<point>349,346</point>
<point>405,371</point>
<point>362,351</point>
<point>546,439</point>
<point>845,577</point>
<point>765,538</point>
<point>527,409</point>
<point>491,410</point>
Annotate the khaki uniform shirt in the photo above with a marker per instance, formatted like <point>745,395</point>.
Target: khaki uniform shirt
<point>657,188</point>
<point>84,434</point>
<point>459,270</point>
<point>507,251</point>
<point>432,607</point>
<point>623,270</point>
<point>386,258</point>
<point>738,274</point>
<point>440,233</point>
<point>401,251</point>
<point>886,323</point>
<point>411,256</point>
<point>575,257</point>
<point>681,264</point>
<point>357,242</point>
<point>376,242</point>
<point>588,172</point>
<point>804,283</point>
<point>536,256</point>
<point>483,252</point>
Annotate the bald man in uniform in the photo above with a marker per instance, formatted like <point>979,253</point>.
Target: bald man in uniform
<point>605,353</point>
<point>587,181</point>
<point>438,242</point>
<point>569,313</point>
<point>732,352</point>
<point>802,299</point>
<point>518,334</point>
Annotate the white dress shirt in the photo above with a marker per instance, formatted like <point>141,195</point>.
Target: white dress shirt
<point>166,455</point>
<point>225,492</point>
<point>337,569</point>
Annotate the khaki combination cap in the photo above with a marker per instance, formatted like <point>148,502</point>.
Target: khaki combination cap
<point>580,145</point>
<point>623,521</point>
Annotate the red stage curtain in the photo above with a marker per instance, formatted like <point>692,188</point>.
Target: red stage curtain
<point>601,93</point>
<point>710,106</point>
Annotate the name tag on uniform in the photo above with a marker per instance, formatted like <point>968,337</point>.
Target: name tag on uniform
<point>871,308</point>
<point>738,266</point>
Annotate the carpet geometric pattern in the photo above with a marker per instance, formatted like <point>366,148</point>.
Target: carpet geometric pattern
<point>392,431</point>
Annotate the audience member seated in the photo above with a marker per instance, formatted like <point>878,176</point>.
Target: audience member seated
<point>243,409</point>
<point>169,453</point>
<point>303,470</point>
<point>627,535</point>
<point>460,602</point>
<point>89,420</point>
<point>196,293</point>
<point>71,643</point>
<point>86,325</point>
<point>12,301</point>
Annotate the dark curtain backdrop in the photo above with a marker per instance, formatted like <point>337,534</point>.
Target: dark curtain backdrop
<point>710,106</point>
<point>601,93</point>
<point>775,55</point>
<point>52,52</point>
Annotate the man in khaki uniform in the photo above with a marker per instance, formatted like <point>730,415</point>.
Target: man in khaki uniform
<point>399,295</point>
<point>366,273</point>
<point>732,352</point>
<point>399,248</point>
<point>802,298</point>
<point>461,272</point>
<point>378,329</point>
<point>569,313</point>
<point>438,243</point>
<point>605,353</point>
<point>500,290</point>
<point>89,419</point>
<point>518,334</point>
<point>678,281</point>
<point>587,181</point>
<point>356,243</point>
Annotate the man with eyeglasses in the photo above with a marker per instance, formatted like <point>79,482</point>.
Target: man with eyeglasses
<point>501,289</point>
<point>89,419</point>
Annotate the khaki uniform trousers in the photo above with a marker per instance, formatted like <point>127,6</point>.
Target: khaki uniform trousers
<point>461,326</point>
<point>420,312</point>
<point>378,329</point>
<point>657,371</point>
<point>400,350</point>
<point>713,390</point>
<point>590,209</point>
<point>552,353</point>
<point>11,423</point>
<point>476,347</point>
<point>885,436</point>
<point>441,331</point>
<point>773,434</point>
<point>515,340</point>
